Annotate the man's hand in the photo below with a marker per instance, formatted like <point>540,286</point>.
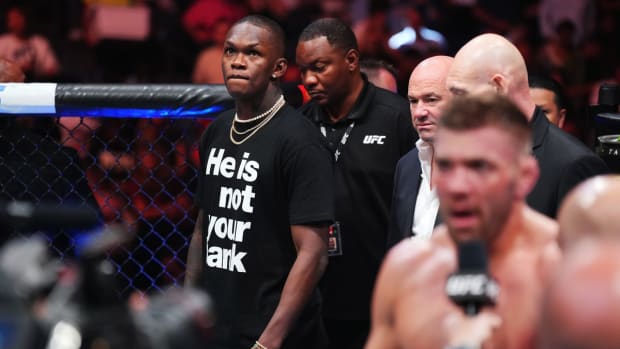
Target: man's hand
<point>472,331</point>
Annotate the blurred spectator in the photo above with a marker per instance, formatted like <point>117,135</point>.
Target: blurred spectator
<point>293,17</point>
<point>200,19</point>
<point>414,33</point>
<point>208,69</point>
<point>560,58</point>
<point>77,53</point>
<point>581,306</point>
<point>372,34</point>
<point>413,41</point>
<point>380,73</point>
<point>34,167</point>
<point>590,211</point>
<point>160,189</point>
<point>112,161</point>
<point>582,13</point>
<point>33,53</point>
<point>76,132</point>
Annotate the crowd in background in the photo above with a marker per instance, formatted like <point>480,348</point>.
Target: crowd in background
<point>142,170</point>
<point>574,41</point>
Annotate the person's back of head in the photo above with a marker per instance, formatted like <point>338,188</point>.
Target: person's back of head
<point>487,110</point>
<point>581,306</point>
<point>491,63</point>
<point>590,211</point>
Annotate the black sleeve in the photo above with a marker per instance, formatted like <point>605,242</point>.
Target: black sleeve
<point>309,174</point>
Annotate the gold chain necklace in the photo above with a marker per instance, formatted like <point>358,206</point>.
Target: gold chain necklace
<point>233,130</point>
<point>260,116</point>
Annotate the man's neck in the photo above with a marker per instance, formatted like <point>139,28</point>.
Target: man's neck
<point>524,102</point>
<point>341,110</point>
<point>250,107</point>
<point>512,233</point>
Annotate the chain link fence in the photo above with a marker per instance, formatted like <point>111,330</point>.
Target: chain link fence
<point>140,172</point>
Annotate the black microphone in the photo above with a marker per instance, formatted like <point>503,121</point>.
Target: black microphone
<point>471,287</point>
<point>30,215</point>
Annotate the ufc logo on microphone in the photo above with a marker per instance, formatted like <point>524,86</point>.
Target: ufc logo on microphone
<point>373,139</point>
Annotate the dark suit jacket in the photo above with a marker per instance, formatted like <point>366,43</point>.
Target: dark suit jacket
<point>407,182</point>
<point>564,162</point>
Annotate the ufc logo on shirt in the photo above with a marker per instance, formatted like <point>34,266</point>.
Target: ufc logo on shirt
<point>373,139</point>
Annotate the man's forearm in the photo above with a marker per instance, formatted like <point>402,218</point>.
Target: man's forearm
<point>300,283</point>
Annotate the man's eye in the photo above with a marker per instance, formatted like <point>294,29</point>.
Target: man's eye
<point>479,165</point>
<point>442,165</point>
<point>228,51</point>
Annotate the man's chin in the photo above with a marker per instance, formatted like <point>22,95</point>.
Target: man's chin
<point>460,235</point>
<point>322,101</point>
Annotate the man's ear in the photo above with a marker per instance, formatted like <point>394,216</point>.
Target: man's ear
<point>562,118</point>
<point>353,59</point>
<point>279,68</point>
<point>528,177</point>
<point>500,84</point>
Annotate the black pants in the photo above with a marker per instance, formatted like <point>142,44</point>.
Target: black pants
<point>346,334</point>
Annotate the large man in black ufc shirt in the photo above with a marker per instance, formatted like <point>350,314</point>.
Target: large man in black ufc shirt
<point>369,129</point>
<point>266,199</point>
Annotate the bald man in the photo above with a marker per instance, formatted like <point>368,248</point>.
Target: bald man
<point>590,210</point>
<point>489,62</point>
<point>414,200</point>
<point>483,172</point>
<point>581,307</point>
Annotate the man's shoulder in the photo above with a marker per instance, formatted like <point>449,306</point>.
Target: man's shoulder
<point>410,254</point>
<point>310,109</point>
<point>222,121</point>
<point>564,148</point>
<point>388,101</point>
<point>412,157</point>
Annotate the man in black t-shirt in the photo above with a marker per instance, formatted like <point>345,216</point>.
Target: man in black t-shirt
<point>368,129</point>
<point>266,199</point>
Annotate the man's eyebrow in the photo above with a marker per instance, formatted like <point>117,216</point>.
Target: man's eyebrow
<point>251,45</point>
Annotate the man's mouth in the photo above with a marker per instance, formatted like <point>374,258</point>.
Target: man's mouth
<point>463,217</point>
<point>317,94</point>
<point>238,77</point>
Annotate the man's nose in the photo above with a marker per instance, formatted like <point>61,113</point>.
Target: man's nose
<point>238,61</point>
<point>458,182</point>
<point>309,79</point>
<point>420,110</point>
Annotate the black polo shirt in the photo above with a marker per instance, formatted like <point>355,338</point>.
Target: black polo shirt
<point>379,132</point>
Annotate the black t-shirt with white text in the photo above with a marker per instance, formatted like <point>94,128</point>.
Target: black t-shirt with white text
<point>250,195</point>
